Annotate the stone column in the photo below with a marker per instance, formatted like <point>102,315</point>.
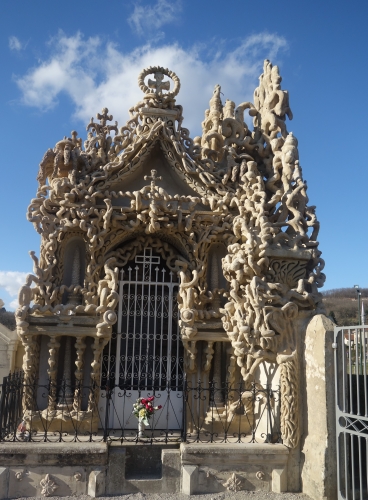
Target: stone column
<point>97,348</point>
<point>80,347</point>
<point>218,396</point>
<point>53,346</point>
<point>65,391</point>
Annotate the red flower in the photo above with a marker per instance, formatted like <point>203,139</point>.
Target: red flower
<point>144,401</point>
<point>151,398</point>
<point>159,407</point>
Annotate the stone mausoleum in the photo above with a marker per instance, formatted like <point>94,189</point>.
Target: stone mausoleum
<point>183,269</point>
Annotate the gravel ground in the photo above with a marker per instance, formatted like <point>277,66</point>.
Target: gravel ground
<point>256,495</point>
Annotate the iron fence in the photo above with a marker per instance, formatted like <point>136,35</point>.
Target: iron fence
<point>351,389</point>
<point>79,413</point>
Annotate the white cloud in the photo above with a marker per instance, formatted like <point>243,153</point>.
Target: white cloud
<point>11,281</point>
<point>15,43</point>
<point>96,74</point>
<point>149,18</point>
<point>13,305</point>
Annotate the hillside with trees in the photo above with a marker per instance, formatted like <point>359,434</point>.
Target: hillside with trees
<point>342,305</point>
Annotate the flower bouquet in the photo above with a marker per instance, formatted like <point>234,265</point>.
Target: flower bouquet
<point>143,409</point>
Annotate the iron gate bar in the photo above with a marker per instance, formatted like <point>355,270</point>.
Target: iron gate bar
<point>350,360</point>
<point>166,301</point>
<point>145,352</point>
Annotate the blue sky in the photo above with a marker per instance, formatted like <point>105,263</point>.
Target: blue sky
<point>61,62</point>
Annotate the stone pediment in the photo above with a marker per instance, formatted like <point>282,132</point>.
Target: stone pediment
<point>163,159</point>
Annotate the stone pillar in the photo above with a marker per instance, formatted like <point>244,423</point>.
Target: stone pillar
<point>80,347</point>
<point>218,397</point>
<point>319,477</point>
<point>53,346</point>
<point>66,395</point>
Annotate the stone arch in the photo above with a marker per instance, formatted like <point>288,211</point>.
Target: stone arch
<point>179,242</point>
<point>129,249</point>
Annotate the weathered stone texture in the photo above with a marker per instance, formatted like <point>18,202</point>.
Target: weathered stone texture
<point>319,477</point>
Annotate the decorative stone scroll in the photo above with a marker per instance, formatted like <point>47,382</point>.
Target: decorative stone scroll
<point>242,188</point>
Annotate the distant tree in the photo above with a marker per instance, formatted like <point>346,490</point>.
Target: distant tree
<point>343,303</point>
<point>346,293</point>
<point>333,317</point>
<point>7,319</point>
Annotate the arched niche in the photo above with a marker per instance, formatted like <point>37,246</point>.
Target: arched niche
<point>215,275</point>
<point>160,240</point>
<point>74,263</point>
<point>169,249</point>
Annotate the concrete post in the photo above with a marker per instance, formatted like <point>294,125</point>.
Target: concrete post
<point>319,477</point>
<point>3,483</point>
<point>96,483</point>
<point>189,479</point>
<point>279,480</point>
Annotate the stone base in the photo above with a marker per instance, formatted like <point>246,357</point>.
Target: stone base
<point>251,467</point>
<point>140,475</point>
<point>62,421</point>
<point>98,469</point>
<point>49,469</point>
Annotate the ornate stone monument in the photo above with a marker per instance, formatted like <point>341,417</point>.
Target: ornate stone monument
<point>226,214</point>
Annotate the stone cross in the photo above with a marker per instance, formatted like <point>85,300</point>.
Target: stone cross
<point>104,117</point>
<point>158,84</point>
<point>153,178</point>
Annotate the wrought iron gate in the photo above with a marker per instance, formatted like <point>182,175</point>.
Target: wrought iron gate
<point>145,354</point>
<point>351,389</point>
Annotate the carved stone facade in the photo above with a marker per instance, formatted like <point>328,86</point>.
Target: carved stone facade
<point>228,212</point>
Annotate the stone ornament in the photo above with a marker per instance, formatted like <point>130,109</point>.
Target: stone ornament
<point>158,85</point>
<point>234,483</point>
<point>245,193</point>
<point>48,486</point>
<point>19,475</point>
<point>78,476</point>
<point>260,475</point>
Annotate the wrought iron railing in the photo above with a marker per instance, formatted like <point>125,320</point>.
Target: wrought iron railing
<point>11,391</point>
<point>80,413</point>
